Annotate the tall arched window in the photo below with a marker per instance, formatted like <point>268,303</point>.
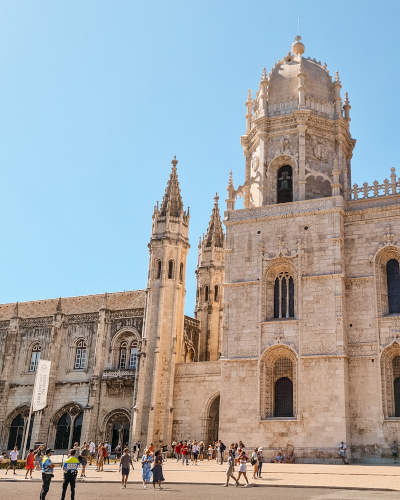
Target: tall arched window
<point>63,432</point>
<point>215,293</point>
<point>396,385</point>
<point>393,285</point>
<point>17,429</point>
<point>133,355</point>
<point>283,393</point>
<point>181,272</point>
<point>123,355</point>
<point>35,356</point>
<point>77,431</point>
<point>206,293</point>
<point>284,296</point>
<point>170,269</point>
<point>158,275</point>
<point>80,355</point>
<point>285,184</point>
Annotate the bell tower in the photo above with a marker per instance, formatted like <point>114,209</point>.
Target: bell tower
<point>210,275</point>
<point>168,248</point>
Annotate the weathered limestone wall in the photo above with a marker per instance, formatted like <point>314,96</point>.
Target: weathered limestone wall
<point>196,386</point>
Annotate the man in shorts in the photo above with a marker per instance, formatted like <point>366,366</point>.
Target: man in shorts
<point>394,451</point>
<point>342,453</point>
<point>13,459</point>
<point>85,455</point>
<point>124,464</point>
<point>231,467</point>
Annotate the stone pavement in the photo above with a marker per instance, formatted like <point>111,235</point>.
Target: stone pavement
<point>300,475</point>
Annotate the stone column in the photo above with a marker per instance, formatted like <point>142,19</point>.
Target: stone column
<point>302,127</point>
<point>92,409</point>
<point>56,341</point>
<point>6,375</point>
<point>262,168</point>
<point>246,202</point>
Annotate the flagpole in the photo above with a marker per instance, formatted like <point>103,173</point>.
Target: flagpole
<point>27,428</point>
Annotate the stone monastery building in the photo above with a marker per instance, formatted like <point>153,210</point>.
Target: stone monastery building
<point>294,342</point>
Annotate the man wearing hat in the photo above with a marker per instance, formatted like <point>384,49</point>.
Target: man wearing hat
<point>47,473</point>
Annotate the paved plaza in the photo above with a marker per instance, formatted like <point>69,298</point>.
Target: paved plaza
<point>183,492</point>
<point>380,478</point>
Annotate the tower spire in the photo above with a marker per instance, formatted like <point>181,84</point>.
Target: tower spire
<point>172,201</point>
<point>215,234</point>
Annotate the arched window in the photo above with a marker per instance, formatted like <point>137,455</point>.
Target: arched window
<point>170,269</point>
<point>396,385</point>
<point>206,293</point>
<point>284,296</point>
<point>17,429</point>
<point>216,293</point>
<point>285,184</point>
<point>35,356</point>
<point>76,434</point>
<point>158,269</point>
<point>133,355</point>
<point>283,393</point>
<point>393,285</point>
<point>123,355</point>
<point>63,432</point>
<point>80,355</point>
<point>181,272</point>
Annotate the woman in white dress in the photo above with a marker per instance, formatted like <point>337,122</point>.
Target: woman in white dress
<point>243,467</point>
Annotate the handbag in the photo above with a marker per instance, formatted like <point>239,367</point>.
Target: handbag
<point>253,461</point>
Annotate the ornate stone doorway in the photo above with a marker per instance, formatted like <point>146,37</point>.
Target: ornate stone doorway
<point>117,427</point>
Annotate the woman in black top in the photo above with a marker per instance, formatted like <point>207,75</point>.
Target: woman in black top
<point>157,470</point>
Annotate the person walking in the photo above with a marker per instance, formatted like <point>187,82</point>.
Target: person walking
<point>195,450</point>
<point>342,453</point>
<point>243,468</point>
<point>108,446</point>
<point>70,472</point>
<point>394,451</point>
<point>30,463</point>
<point>147,460</point>
<point>138,450</point>
<point>92,449</point>
<point>254,463</point>
<point>38,457</point>
<point>124,464</point>
<point>185,450</point>
<point>210,452</point>
<point>164,452</point>
<point>118,452</point>
<point>157,470</point>
<point>13,459</point>
<point>222,448</point>
<point>47,473</point>
<point>100,457</point>
<point>231,467</point>
<point>260,459</point>
<point>178,451</point>
<point>201,451</point>
<point>85,455</point>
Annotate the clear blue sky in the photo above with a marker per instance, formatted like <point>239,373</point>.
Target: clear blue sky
<point>96,97</point>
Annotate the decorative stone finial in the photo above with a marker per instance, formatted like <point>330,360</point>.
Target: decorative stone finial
<point>298,47</point>
<point>15,314</point>
<point>230,183</point>
<point>59,308</point>
<point>264,74</point>
<point>337,79</point>
<point>249,99</point>
<point>346,98</point>
<point>216,198</point>
<point>174,162</point>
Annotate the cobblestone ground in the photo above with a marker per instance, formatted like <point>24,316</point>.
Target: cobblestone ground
<point>31,489</point>
<point>335,476</point>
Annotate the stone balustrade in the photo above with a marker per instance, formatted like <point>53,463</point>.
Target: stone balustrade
<point>114,374</point>
<point>375,189</point>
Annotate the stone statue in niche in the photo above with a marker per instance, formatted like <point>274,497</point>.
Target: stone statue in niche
<point>255,163</point>
<point>283,146</point>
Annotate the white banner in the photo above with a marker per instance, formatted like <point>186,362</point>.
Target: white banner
<point>41,385</point>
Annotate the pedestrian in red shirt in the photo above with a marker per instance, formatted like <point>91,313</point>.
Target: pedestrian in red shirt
<point>185,449</point>
<point>177,451</point>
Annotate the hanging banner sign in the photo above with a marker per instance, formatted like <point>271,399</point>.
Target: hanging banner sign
<point>41,385</point>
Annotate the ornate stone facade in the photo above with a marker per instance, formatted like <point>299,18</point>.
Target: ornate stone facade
<point>295,340</point>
